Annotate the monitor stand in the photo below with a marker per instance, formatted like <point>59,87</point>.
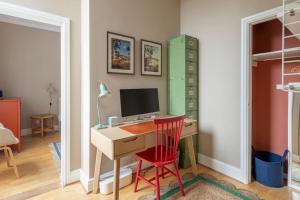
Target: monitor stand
<point>142,118</point>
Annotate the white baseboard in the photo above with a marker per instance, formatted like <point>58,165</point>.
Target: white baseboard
<point>88,183</point>
<point>74,176</point>
<point>27,131</point>
<point>214,164</point>
<point>134,166</point>
<point>221,167</point>
<point>296,158</point>
<point>85,182</point>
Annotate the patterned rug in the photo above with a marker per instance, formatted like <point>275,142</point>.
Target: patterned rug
<point>204,187</point>
<point>56,152</point>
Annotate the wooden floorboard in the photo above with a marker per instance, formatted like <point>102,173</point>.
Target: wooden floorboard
<point>75,191</point>
<point>37,168</point>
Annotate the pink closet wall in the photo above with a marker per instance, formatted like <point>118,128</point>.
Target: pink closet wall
<point>269,105</point>
<point>267,37</point>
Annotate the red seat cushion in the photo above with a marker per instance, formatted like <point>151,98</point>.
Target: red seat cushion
<point>149,155</point>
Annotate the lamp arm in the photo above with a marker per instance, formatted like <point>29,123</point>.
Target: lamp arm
<point>98,109</point>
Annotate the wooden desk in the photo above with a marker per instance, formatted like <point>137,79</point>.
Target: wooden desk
<point>116,143</point>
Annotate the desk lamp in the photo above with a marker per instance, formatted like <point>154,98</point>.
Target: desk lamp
<point>103,92</point>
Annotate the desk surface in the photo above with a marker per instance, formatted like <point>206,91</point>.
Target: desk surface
<point>115,133</point>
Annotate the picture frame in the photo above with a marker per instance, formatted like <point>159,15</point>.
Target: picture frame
<point>151,58</point>
<point>120,54</point>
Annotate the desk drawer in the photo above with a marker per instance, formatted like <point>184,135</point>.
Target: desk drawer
<point>189,129</point>
<point>129,145</point>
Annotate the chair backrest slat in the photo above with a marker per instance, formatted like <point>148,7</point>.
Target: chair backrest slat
<point>168,131</point>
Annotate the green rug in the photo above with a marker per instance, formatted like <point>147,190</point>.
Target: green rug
<point>203,186</point>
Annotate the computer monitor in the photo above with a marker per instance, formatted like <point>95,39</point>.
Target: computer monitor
<point>139,101</point>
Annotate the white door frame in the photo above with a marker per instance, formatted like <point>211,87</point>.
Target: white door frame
<point>63,24</point>
<point>85,96</point>
<point>290,122</point>
<point>246,86</point>
<point>290,133</point>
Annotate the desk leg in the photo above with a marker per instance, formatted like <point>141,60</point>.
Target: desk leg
<point>97,171</point>
<point>116,178</point>
<point>192,155</point>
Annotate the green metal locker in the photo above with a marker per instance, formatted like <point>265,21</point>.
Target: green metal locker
<point>183,85</point>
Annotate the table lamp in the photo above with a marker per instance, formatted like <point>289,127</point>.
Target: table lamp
<point>103,92</point>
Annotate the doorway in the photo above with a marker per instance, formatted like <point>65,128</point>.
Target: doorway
<point>36,19</point>
<point>256,62</point>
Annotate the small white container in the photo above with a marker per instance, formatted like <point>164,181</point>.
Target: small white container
<point>107,179</point>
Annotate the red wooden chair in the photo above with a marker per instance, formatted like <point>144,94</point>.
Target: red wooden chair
<point>168,131</point>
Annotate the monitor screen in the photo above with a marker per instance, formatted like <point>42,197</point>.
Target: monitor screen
<point>139,101</point>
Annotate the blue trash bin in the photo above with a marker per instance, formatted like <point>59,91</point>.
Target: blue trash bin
<point>268,168</point>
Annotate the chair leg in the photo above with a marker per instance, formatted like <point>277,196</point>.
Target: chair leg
<point>157,183</point>
<point>11,155</point>
<point>6,156</point>
<point>162,172</point>
<point>137,175</point>
<point>179,180</point>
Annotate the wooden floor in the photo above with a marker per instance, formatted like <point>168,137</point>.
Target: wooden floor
<point>75,191</point>
<point>36,166</point>
<point>39,178</point>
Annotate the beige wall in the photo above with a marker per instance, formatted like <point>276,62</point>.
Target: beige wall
<point>70,9</point>
<point>29,62</point>
<point>217,24</point>
<point>154,20</point>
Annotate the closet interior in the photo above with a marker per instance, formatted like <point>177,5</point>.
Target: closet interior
<point>273,75</point>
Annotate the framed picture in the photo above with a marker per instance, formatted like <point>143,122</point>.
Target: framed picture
<point>151,58</point>
<point>120,53</point>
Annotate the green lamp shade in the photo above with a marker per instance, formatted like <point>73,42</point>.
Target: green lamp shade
<point>103,91</point>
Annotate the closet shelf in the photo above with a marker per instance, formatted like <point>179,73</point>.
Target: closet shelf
<point>275,55</point>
